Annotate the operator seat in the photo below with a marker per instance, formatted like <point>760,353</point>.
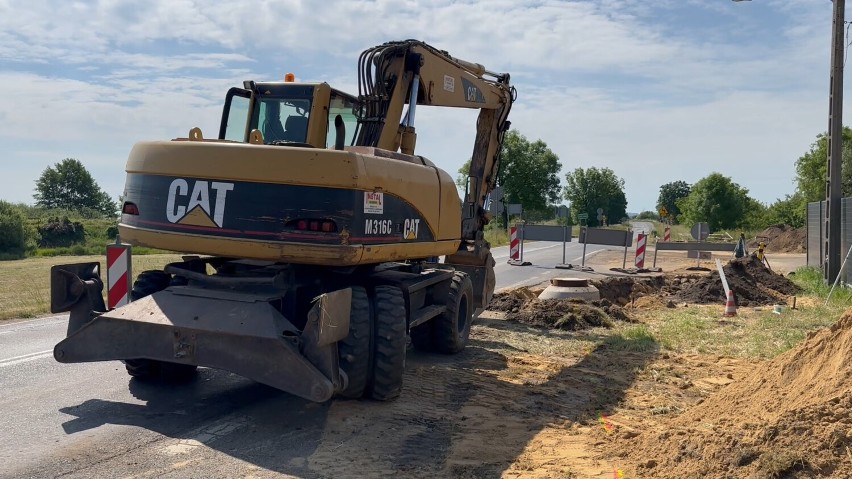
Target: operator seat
<point>271,128</point>
<point>297,128</point>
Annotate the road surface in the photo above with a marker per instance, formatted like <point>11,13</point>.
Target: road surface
<point>91,420</point>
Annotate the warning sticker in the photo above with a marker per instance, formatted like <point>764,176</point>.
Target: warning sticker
<point>449,84</point>
<point>374,202</point>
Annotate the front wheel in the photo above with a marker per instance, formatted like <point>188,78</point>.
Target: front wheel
<point>451,329</point>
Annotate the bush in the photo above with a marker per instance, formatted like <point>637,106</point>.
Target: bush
<point>112,232</point>
<point>13,231</point>
<point>61,232</point>
<point>647,215</point>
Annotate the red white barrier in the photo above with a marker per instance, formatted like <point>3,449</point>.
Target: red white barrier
<point>514,244</point>
<point>641,239</point>
<point>118,275</point>
<point>667,236</point>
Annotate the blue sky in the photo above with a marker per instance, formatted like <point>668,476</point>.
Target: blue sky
<point>657,90</point>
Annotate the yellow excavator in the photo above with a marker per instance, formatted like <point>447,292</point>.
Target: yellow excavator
<point>316,241</point>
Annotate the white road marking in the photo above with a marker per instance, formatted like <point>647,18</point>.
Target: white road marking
<point>531,250</point>
<point>25,358</point>
<point>27,324</point>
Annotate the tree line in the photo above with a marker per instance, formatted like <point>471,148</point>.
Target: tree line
<point>529,176</point>
<point>71,215</point>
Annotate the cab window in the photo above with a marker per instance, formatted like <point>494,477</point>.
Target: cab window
<point>283,119</point>
<point>343,105</point>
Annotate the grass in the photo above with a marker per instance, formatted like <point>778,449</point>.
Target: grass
<point>25,284</point>
<point>754,332</point>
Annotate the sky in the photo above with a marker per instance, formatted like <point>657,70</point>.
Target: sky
<point>656,90</point>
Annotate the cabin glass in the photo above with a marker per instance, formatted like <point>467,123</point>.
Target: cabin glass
<point>343,105</point>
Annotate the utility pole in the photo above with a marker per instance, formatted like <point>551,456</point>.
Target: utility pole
<point>833,227</point>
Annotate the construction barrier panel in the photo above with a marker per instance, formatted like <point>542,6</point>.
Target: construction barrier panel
<point>606,237</point>
<point>697,247</point>
<point>514,244</point>
<point>546,233</point>
<point>667,236</point>
<point>119,275</point>
<point>641,239</point>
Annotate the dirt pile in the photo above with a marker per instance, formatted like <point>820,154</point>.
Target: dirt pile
<point>623,290</point>
<point>522,305</point>
<point>781,239</point>
<point>753,285</point>
<point>791,417</point>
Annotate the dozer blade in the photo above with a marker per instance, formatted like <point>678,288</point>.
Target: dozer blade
<point>237,332</point>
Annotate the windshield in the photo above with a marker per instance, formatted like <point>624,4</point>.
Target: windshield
<point>283,119</point>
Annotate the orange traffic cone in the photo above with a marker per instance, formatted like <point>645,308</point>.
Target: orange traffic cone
<point>730,306</point>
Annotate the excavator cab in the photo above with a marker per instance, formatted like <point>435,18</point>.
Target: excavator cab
<point>289,114</point>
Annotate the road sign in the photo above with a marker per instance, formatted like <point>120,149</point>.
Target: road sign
<point>515,209</point>
<point>600,211</point>
<point>700,231</point>
<point>582,216</point>
<point>663,211</point>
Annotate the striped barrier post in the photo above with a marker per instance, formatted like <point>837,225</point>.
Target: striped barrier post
<point>118,275</point>
<point>514,245</point>
<point>667,236</point>
<point>641,239</point>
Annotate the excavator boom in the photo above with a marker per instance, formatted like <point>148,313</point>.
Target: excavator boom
<point>413,73</point>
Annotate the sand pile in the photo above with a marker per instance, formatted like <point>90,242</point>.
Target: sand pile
<point>791,418</point>
<point>781,239</point>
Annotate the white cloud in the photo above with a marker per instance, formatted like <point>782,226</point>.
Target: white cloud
<point>620,83</point>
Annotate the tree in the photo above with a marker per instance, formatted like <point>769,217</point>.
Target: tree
<point>69,185</point>
<point>717,201</point>
<point>669,194</point>
<point>811,168</point>
<point>13,231</point>
<point>787,211</point>
<point>594,188</point>
<point>528,173</point>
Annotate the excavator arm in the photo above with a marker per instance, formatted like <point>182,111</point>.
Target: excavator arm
<point>413,73</point>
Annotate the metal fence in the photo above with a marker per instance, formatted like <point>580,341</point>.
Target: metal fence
<point>815,224</point>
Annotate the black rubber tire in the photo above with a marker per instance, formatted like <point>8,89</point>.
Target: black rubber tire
<point>389,338</point>
<point>146,284</point>
<point>354,350</point>
<point>452,328</point>
<point>421,337</point>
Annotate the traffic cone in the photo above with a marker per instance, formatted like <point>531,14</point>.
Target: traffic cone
<point>730,306</point>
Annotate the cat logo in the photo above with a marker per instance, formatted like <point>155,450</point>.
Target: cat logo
<point>194,208</point>
<point>410,229</point>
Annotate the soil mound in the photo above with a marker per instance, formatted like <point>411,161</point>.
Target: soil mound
<point>792,417</point>
<point>622,290</point>
<point>781,239</point>
<point>522,305</point>
<point>753,285</point>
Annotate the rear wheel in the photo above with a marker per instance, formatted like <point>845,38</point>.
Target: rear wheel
<point>148,283</point>
<point>452,328</point>
<point>388,361</point>
<point>354,350</point>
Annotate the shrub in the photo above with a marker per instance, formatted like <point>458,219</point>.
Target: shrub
<point>61,232</point>
<point>13,231</point>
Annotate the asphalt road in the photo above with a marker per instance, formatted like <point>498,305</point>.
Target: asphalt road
<point>91,420</point>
